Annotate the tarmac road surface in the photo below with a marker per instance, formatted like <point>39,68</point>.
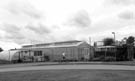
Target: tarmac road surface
<point>59,67</point>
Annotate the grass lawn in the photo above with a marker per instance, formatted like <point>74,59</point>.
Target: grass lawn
<point>69,75</point>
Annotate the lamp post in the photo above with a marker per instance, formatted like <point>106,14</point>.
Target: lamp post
<point>114,37</point>
<point>114,44</point>
<point>90,40</point>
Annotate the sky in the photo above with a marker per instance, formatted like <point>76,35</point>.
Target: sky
<point>25,22</point>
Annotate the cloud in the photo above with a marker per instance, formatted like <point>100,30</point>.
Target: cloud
<point>15,15</point>
<point>10,28</point>
<point>39,29</point>
<point>80,19</point>
<point>21,35</point>
<point>127,15</point>
<point>23,8</point>
<point>104,27</point>
<point>121,2</point>
<point>35,32</point>
<point>6,45</point>
<point>12,33</point>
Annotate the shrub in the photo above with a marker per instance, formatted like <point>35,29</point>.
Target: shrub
<point>101,58</point>
<point>110,58</point>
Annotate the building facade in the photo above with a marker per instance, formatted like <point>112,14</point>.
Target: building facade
<point>70,50</point>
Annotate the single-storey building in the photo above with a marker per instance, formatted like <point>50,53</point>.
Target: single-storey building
<point>117,53</point>
<point>55,51</point>
<point>105,51</point>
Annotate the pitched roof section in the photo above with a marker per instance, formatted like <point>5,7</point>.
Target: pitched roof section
<point>55,44</point>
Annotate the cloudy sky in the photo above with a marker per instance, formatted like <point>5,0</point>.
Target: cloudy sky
<point>38,21</point>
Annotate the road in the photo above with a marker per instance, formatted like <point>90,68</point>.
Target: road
<point>59,67</point>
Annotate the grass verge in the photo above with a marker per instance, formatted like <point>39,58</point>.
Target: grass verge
<point>69,75</point>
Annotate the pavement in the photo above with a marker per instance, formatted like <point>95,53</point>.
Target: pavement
<point>32,66</point>
<point>128,63</point>
<point>45,64</point>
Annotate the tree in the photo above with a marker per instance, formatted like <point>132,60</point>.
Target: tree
<point>130,40</point>
<point>108,41</point>
<point>130,47</point>
<point>95,44</point>
<point>1,49</point>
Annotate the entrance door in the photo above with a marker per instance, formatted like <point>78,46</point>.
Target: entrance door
<point>86,54</point>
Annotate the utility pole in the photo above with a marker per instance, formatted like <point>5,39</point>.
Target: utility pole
<point>115,44</point>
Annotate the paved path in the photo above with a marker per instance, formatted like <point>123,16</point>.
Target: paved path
<point>59,67</point>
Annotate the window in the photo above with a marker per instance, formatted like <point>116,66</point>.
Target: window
<point>37,53</point>
<point>25,51</point>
